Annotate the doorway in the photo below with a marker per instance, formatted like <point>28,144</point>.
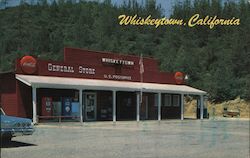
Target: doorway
<point>90,106</point>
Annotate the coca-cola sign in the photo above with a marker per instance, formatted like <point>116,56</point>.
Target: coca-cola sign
<point>179,77</point>
<point>28,64</point>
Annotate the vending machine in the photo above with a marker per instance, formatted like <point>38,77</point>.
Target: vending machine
<point>46,106</point>
<point>75,109</point>
<point>67,108</point>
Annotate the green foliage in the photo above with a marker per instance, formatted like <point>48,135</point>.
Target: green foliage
<point>216,60</point>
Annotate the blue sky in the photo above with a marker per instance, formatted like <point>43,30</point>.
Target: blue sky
<point>165,4</point>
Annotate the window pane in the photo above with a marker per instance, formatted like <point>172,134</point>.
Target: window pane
<point>155,99</point>
<point>176,100</point>
<point>167,100</point>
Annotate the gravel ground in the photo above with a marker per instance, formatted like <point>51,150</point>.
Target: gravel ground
<point>146,139</point>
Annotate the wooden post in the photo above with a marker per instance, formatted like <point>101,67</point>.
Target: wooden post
<point>114,106</point>
<point>34,102</point>
<point>159,106</point>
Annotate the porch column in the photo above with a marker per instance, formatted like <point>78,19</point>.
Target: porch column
<point>137,106</point>
<point>34,104</point>
<point>182,106</point>
<point>159,106</point>
<point>114,106</point>
<point>201,106</point>
<point>80,102</point>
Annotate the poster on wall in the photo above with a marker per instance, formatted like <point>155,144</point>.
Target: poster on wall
<point>67,107</point>
<point>47,106</point>
<point>125,78</point>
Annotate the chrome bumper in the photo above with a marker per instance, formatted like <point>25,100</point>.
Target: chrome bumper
<point>17,131</point>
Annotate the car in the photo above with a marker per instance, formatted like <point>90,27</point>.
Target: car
<point>14,126</point>
<point>231,113</point>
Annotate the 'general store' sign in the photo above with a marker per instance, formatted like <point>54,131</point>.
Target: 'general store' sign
<point>70,69</point>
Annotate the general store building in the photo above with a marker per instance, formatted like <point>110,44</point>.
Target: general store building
<point>94,86</point>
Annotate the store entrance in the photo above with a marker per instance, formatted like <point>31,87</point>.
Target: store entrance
<point>90,106</point>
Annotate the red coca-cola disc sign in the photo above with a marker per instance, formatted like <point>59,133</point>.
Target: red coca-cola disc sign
<point>179,77</point>
<point>28,64</point>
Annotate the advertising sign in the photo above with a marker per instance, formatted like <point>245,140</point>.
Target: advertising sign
<point>46,106</point>
<point>67,108</point>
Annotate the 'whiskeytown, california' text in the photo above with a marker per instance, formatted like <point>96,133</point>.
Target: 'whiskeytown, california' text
<point>195,20</point>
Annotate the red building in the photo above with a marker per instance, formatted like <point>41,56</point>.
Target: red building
<point>90,85</point>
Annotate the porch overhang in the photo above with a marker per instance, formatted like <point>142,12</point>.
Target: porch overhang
<point>95,84</point>
<point>109,85</point>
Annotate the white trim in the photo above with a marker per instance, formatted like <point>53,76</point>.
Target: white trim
<point>114,106</point>
<point>94,84</point>
<point>137,106</point>
<point>24,81</point>
<point>159,106</point>
<point>81,104</point>
<point>34,105</point>
<point>201,106</point>
<point>182,106</point>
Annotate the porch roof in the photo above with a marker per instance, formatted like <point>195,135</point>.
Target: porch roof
<point>95,84</point>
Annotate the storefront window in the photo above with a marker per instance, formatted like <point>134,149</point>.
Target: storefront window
<point>167,100</point>
<point>176,100</point>
<point>155,99</point>
<point>58,105</point>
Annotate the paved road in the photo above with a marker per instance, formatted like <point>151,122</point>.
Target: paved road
<point>149,139</point>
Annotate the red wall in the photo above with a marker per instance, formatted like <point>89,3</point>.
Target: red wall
<point>8,98</point>
<point>24,100</point>
<point>92,59</point>
<point>75,55</point>
<point>9,104</point>
<point>17,96</point>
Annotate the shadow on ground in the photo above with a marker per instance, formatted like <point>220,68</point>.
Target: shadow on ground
<point>15,144</point>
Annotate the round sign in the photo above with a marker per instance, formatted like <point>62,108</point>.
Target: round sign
<point>179,77</point>
<point>67,108</point>
<point>28,64</point>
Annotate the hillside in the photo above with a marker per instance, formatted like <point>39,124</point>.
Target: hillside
<point>216,60</point>
<point>216,109</point>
